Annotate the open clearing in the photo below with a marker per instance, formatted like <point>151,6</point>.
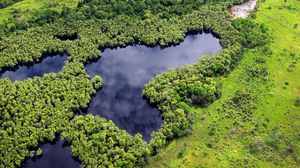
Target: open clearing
<point>243,10</point>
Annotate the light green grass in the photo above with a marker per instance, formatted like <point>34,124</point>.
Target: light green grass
<point>27,8</point>
<point>276,103</point>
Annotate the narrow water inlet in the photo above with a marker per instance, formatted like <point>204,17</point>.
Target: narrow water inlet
<point>69,37</point>
<point>125,71</point>
<point>55,155</point>
<point>49,63</point>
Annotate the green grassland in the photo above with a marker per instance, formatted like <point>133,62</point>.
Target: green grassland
<point>256,122</point>
<point>25,9</point>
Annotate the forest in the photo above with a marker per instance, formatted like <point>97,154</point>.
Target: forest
<point>42,109</point>
<point>6,3</point>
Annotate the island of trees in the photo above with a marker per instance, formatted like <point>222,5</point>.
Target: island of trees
<point>38,110</point>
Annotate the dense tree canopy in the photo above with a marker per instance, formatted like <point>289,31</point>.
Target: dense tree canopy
<point>36,110</point>
<point>98,143</point>
<point>103,9</point>
<point>6,3</point>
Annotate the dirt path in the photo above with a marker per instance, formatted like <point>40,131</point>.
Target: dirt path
<point>243,10</point>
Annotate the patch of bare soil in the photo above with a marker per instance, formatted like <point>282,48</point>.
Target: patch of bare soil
<point>243,10</point>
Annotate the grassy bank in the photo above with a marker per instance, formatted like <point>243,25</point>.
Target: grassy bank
<point>26,9</point>
<point>256,121</point>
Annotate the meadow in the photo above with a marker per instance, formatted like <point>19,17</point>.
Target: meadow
<point>239,108</point>
<point>270,137</point>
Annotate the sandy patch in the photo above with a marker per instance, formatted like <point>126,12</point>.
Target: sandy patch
<point>243,10</point>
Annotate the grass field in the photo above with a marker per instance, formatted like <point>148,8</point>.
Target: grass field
<point>270,137</point>
<point>262,130</point>
<point>26,8</point>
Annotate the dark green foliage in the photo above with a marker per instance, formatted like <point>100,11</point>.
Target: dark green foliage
<point>240,107</point>
<point>251,34</point>
<point>297,102</point>
<point>97,82</point>
<point>275,138</point>
<point>238,119</point>
<point>103,9</point>
<point>97,142</point>
<point>260,60</point>
<point>47,16</point>
<point>259,73</point>
<point>238,110</point>
<point>6,3</point>
<point>195,84</point>
<point>182,151</point>
<point>36,110</point>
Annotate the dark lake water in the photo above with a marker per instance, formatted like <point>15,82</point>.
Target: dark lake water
<point>125,71</point>
<point>50,63</point>
<point>55,155</point>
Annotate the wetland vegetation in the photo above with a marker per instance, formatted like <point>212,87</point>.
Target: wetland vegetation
<point>235,108</point>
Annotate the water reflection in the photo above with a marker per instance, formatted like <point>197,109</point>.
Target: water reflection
<point>126,70</point>
<point>55,155</point>
<point>51,63</point>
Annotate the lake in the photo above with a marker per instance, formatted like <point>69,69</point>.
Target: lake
<point>55,155</point>
<point>125,71</point>
<point>50,63</point>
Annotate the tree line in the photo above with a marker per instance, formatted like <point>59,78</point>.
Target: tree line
<point>36,110</point>
<point>103,9</point>
<point>6,3</point>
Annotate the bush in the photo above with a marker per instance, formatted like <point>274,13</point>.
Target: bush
<point>297,102</point>
<point>97,82</point>
<point>251,34</point>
